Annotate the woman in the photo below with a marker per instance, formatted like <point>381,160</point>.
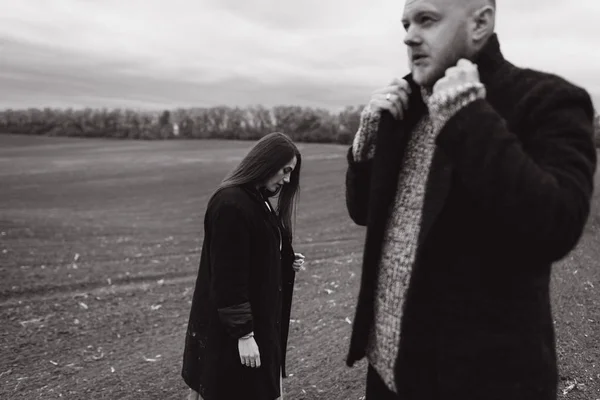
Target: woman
<point>239,321</point>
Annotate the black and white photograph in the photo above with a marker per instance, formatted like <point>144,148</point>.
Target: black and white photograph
<point>309,200</point>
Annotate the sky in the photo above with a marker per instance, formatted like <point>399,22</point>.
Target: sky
<point>165,54</point>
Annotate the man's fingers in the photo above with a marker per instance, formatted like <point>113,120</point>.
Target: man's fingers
<point>452,72</point>
<point>389,89</point>
<point>405,86</point>
<point>440,84</point>
<point>397,110</point>
<point>463,72</point>
<point>401,84</point>
<point>393,96</point>
<point>463,62</point>
<point>389,106</point>
<point>392,106</point>
<point>383,90</point>
<point>403,97</point>
<point>382,105</point>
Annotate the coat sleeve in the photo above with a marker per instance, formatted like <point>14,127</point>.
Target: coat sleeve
<point>360,157</point>
<point>539,184</point>
<point>229,255</point>
<point>358,177</point>
<point>288,278</point>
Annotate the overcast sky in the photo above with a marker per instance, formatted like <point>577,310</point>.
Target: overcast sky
<point>182,53</point>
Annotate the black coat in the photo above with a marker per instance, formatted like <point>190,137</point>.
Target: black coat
<point>245,283</point>
<point>508,194</point>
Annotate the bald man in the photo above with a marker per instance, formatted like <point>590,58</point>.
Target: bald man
<point>473,177</point>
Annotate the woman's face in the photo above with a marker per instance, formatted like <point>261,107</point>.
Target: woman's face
<point>275,183</point>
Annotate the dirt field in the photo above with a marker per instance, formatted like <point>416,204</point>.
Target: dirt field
<point>99,246</point>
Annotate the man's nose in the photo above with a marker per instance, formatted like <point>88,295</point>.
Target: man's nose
<point>412,37</point>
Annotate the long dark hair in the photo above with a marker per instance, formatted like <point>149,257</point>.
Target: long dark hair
<point>265,159</point>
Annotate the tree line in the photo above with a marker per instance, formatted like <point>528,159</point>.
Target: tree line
<point>302,124</point>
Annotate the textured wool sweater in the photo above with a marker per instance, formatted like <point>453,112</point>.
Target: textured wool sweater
<point>402,230</point>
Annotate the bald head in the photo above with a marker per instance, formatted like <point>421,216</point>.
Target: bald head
<point>479,2</point>
<point>459,2</point>
<point>440,32</point>
<point>472,5</point>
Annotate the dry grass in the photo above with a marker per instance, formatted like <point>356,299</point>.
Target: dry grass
<point>98,255</point>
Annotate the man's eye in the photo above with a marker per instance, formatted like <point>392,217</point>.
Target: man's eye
<point>287,170</point>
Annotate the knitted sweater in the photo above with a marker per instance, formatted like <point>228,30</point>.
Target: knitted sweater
<point>399,248</point>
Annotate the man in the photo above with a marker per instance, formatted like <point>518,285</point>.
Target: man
<point>472,176</point>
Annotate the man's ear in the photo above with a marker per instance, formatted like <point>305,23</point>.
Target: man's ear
<point>483,23</point>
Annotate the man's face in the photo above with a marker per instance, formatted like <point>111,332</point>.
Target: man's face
<point>436,37</point>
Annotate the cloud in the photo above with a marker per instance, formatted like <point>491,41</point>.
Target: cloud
<point>160,54</point>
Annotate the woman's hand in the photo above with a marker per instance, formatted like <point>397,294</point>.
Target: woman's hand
<point>298,262</point>
<point>249,354</point>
